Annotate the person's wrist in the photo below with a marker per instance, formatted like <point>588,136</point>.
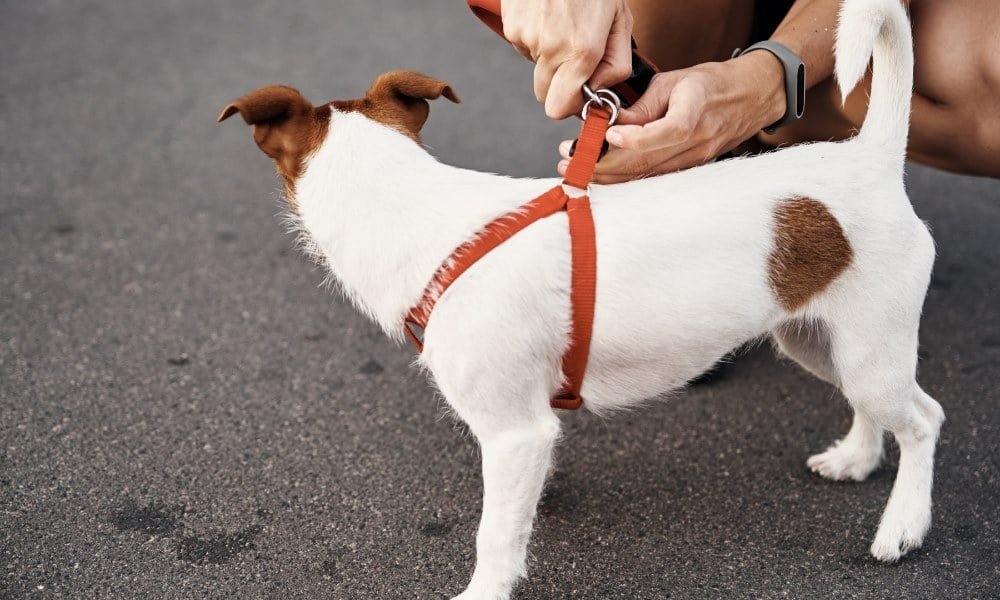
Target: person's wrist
<point>764,78</point>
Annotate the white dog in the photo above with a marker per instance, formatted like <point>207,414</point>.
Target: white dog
<point>816,245</point>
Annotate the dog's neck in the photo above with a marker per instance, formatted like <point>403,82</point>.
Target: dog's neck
<point>384,214</point>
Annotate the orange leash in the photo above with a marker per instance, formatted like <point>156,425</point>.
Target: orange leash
<point>583,243</point>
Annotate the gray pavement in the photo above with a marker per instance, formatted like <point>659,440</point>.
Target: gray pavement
<point>184,413</point>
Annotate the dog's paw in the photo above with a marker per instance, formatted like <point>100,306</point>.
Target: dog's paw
<point>842,462</point>
<point>891,546</point>
<point>471,594</point>
<point>901,530</point>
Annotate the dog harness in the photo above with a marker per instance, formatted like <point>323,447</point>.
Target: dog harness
<point>599,112</point>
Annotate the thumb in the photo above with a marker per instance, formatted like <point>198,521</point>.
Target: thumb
<point>653,104</point>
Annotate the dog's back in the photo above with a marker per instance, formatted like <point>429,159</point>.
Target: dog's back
<point>692,264</point>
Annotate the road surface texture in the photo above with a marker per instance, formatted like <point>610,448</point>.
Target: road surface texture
<point>185,413</point>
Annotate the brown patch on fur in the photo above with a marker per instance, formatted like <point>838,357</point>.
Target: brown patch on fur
<point>399,99</point>
<point>810,251</point>
<point>286,127</point>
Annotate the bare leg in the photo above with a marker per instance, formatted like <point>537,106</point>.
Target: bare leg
<point>956,102</point>
<point>955,124</point>
<point>675,35</point>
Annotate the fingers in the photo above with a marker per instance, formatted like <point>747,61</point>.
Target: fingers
<point>563,98</point>
<point>653,104</point>
<point>692,157</point>
<point>686,118</point>
<point>620,164</point>
<point>670,131</point>
<point>616,65</point>
<point>603,178</point>
<point>564,148</point>
<point>601,67</point>
<point>569,40</point>
<point>543,79</point>
<point>615,166</point>
<point>636,167</point>
<point>523,51</point>
<point>614,160</point>
<point>674,129</point>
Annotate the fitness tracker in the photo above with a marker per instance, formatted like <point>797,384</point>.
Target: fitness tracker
<point>795,80</point>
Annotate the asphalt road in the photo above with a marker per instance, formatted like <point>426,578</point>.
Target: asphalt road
<point>185,413</point>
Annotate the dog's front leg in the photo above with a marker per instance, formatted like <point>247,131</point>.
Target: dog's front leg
<point>515,463</point>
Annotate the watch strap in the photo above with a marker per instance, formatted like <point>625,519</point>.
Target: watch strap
<point>795,80</point>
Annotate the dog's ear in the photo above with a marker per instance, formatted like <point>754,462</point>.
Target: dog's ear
<point>286,126</point>
<point>406,93</point>
<point>267,105</point>
<point>411,86</point>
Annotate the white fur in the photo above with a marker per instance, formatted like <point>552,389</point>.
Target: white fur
<point>682,279</point>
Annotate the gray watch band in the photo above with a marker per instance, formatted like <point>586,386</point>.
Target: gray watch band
<point>795,80</point>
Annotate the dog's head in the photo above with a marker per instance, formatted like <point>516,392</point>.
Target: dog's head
<point>288,128</point>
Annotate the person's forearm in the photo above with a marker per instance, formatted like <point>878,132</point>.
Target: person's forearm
<point>809,30</point>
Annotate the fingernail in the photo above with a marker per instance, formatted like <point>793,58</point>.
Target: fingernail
<point>614,137</point>
<point>564,147</point>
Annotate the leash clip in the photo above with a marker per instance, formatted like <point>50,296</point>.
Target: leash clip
<point>601,97</point>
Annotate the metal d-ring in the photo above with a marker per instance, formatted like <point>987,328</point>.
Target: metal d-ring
<point>612,107</point>
<point>611,95</point>
<point>603,97</point>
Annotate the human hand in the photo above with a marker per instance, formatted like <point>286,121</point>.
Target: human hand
<point>571,42</point>
<point>690,116</point>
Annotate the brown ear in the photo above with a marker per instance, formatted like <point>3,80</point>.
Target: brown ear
<point>268,104</point>
<point>286,126</point>
<point>410,85</point>
<point>406,93</point>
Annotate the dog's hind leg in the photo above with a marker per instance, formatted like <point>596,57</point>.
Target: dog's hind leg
<point>878,375</point>
<point>875,353</point>
<point>858,453</point>
<point>807,343</point>
<point>855,455</point>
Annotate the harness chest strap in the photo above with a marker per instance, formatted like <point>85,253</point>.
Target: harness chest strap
<point>583,252</point>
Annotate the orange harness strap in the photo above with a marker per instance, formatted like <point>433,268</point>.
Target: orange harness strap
<point>583,250</point>
<point>583,244</point>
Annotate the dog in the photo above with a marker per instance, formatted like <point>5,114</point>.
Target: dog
<point>816,245</point>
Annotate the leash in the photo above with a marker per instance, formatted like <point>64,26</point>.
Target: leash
<point>599,112</point>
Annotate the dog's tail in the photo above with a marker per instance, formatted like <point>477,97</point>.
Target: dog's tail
<point>878,29</point>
